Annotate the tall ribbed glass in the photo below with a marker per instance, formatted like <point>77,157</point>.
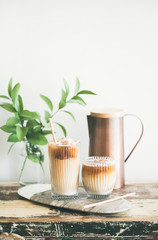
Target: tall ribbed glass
<point>64,165</point>
<point>98,176</point>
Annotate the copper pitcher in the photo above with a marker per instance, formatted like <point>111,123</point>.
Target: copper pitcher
<point>106,133</point>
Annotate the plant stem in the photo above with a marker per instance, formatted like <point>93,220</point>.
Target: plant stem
<point>22,167</point>
<point>55,112</point>
<point>60,108</point>
<point>42,167</point>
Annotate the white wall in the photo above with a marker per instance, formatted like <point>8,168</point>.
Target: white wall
<point>112,46</point>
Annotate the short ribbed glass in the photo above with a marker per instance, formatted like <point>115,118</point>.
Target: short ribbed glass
<point>98,176</point>
<point>64,163</point>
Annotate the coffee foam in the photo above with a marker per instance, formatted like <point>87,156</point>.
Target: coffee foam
<point>99,161</point>
<point>64,149</point>
<point>65,142</point>
<point>97,169</point>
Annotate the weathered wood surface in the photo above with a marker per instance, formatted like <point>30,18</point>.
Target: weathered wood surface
<point>10,236</point>
<point>36,221</point>
<point>41,193</point>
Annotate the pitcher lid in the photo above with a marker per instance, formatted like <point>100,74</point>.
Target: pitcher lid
<point>107,113</point>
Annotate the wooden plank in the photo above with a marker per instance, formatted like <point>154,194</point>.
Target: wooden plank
<point>143,208</point>
<point>82,230</point>
<point>35,221</point>
<point>28,211</point>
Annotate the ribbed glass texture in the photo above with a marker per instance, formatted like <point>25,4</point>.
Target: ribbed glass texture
<point>64,169</point>
<point>98,176</point>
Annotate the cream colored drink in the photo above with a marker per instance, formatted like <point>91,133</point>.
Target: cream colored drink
<point>98,176</point>
<point>64,159</point>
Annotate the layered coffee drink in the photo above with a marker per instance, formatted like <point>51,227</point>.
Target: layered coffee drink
<point>64,159</point>
<point>98,176</point>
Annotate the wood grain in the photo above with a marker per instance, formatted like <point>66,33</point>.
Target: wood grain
<point>35,221</point>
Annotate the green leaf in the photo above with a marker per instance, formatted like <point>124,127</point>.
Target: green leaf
<point>10,87</point>
<point>7,106</point>
<point>70,114</point>
<point>32,123</point>
<point>35,158</point>
<point>37,129</point>
<point>16,104</point>
<point>27,115</point>
<point>77,99</point>
<point>86,92</point>
<point>37,139</point>
<point>62,102</point>
<point>47,115</point>
<point>14,92</point>
<point>42,158</point>
<point>21,106</point>
<point>12,121</point>
<point>32,149</point>
<point>11,147</point>
<point>46,132</point>
<point>21,132</point>
<point>17,115</point>
<point>13,138</point>
<point>62,128</point>
<point>48,102</point>
<point>3,96</point>
<point>8,129</point>
<point>35,154</point>
<point>66,88</point>
<point>77,86</point>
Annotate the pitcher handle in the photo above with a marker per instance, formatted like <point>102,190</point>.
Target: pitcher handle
<point>132,115</point>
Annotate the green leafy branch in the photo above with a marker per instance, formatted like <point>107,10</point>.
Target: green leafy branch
<point>25,125</point>
<point>64,101</point>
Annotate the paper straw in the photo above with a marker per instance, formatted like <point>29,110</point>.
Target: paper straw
<point>52,130</point>
<point>110,200</point>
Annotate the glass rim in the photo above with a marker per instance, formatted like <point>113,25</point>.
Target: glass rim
<point>95,160</point>
<point>74,143</point>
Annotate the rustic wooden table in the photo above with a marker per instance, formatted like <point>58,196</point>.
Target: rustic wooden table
<point>36,221</point>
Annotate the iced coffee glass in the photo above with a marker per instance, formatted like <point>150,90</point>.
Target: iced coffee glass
<point>64,162</point>
<point>98,176</point>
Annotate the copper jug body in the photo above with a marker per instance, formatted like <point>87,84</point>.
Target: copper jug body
<point>106,133</point>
